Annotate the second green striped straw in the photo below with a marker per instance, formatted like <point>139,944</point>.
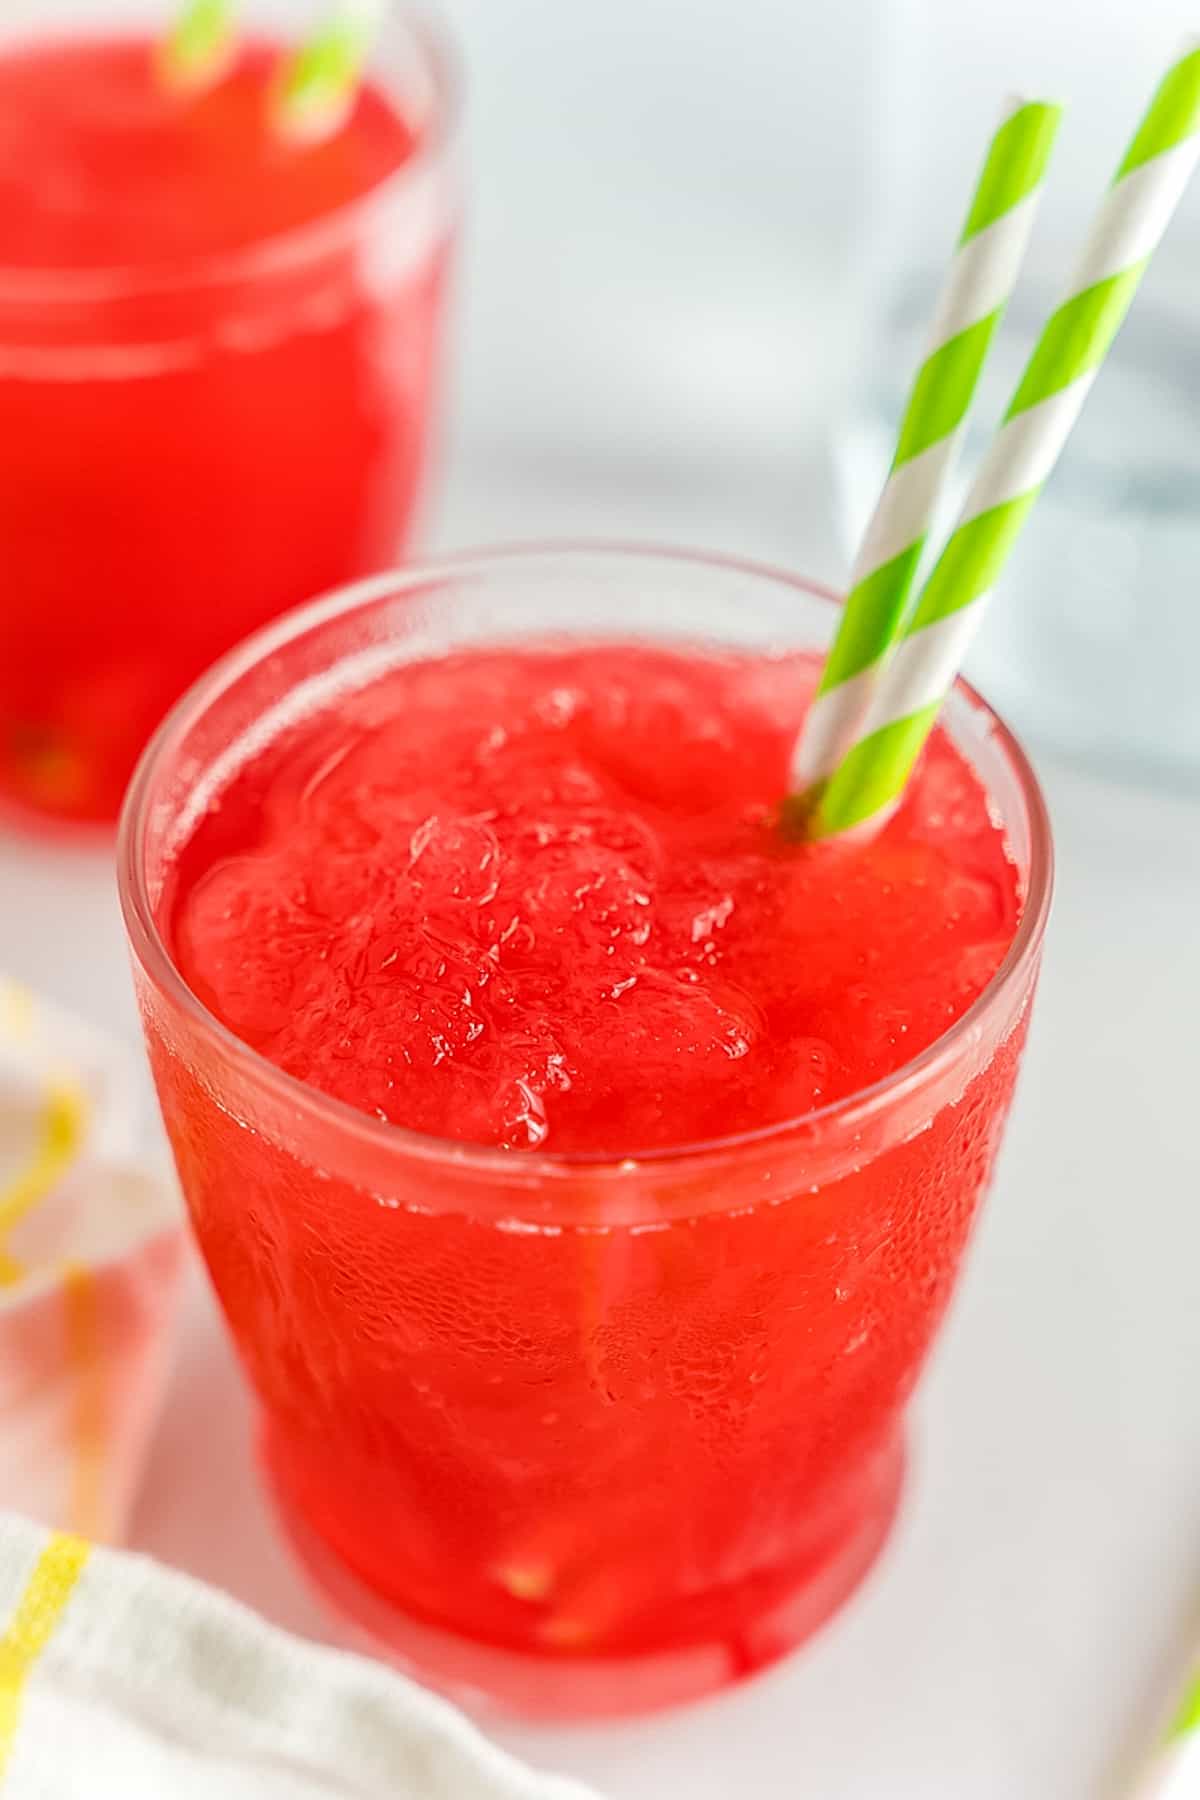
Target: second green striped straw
<point>318,84</point>
<point>978,284</point>
<point>1147,187</point>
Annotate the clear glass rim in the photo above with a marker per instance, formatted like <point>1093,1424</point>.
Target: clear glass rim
<point>152,953</point>
<point>279,250</point>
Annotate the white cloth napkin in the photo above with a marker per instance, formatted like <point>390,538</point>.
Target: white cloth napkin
<point>122,1680</point>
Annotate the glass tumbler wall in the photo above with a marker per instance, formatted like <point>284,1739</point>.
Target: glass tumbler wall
<point>586,1433</point>
<point>193,441</point>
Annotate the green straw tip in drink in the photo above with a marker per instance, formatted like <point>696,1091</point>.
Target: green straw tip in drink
<point>318,85</point>
<point>200,48</point>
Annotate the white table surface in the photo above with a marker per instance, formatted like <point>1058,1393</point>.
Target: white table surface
<point>1038,1591</point>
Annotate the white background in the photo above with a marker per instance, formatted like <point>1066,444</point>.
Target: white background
<point>679,217</point>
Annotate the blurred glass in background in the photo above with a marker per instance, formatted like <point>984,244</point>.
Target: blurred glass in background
<point>218,350</point>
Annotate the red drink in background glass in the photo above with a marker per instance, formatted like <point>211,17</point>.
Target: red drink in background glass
<point>216,354</point>
<point>582,1167</point>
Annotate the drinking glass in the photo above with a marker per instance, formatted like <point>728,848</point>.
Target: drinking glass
<point>188,448</point>
<point>584,1433</point>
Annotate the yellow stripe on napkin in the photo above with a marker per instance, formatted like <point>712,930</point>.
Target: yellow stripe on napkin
<point>38,1611</point>
<point>63,1122</point>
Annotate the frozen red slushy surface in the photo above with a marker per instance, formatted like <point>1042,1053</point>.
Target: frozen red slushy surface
<point>538,897</point>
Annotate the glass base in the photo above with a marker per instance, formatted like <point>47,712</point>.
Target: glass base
<point>492,1678</point>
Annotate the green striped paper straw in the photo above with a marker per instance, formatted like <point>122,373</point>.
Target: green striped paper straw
<point>1145,191</point>
<point>1174,1774</point>
<point>318,84</point>
<point>978,284</point>
<point>199,47</point>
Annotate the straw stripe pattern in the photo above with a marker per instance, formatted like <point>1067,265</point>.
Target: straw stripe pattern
<point>904,703</point>
<point>980,280</point>
<point>1174,1773</point>
<point>1186,1722</point>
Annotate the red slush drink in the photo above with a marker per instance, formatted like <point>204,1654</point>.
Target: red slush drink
<point>216,351</point>
<point>584,1314</point>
